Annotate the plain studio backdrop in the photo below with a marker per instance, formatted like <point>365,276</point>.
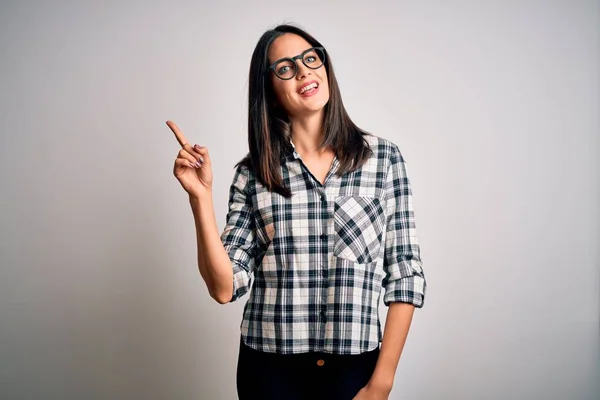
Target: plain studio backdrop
<point>494,105</point>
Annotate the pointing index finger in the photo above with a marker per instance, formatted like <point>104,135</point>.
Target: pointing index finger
<point>178,134</point>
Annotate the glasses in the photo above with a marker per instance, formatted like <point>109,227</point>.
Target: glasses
<point>286,68</point>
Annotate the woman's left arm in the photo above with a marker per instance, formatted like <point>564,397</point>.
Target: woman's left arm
<point>404,282</point>
<point>397,324</point>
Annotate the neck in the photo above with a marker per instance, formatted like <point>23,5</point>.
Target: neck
<point>307,133</point>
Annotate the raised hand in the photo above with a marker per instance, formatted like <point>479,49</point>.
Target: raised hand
<point>192,166</point>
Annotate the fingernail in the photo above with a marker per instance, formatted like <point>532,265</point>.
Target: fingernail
<point>201,159</point>
<point>198,164</point>
<point>192,165</point>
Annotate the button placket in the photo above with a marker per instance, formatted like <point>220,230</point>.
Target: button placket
<point>323,207</point>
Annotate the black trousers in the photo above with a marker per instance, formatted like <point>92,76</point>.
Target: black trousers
<point>308,376</point>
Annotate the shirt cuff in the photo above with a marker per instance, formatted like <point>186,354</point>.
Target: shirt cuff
<point>410,289</point>
<point>241,280</point>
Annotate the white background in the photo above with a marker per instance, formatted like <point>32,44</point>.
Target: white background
<point>494,105</point>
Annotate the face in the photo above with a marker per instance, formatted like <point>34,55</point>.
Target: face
<point>292,94</point>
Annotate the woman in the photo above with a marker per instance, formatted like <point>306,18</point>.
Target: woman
<point>320,213</point>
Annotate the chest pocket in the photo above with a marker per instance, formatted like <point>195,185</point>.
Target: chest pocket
<point>359,223</point>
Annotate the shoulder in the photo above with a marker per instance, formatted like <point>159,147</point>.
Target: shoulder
<point>243,177</point>
<point>384,149</point>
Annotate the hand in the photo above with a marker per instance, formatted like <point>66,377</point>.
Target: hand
<point>373,392</point>
<point>192,166</point>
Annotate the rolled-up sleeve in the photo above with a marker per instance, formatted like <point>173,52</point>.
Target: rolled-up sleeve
<point>238,234</point>
<point>404,279</point>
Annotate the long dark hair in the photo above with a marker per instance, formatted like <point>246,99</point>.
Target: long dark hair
<point>269,128</point>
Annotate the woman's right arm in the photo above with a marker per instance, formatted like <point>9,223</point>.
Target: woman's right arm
<point>194,171</point>
<point>213,261</point>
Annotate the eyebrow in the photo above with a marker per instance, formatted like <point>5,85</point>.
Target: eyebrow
<point>291,57</point>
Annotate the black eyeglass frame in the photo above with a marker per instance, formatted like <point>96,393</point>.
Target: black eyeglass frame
<point>293,61</point>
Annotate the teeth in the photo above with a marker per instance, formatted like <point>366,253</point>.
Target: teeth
<point>307,88</point>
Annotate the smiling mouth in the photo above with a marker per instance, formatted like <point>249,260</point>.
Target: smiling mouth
<point>308,88</point>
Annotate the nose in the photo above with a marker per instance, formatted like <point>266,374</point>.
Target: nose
<point>303,70</point>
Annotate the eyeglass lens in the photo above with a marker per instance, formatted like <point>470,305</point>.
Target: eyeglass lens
<point>286,69</point>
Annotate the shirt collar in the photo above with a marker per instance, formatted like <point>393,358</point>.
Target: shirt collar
<point>289,152</point>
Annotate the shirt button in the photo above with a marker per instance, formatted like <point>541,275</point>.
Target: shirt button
<point>324,236</point>
<point>323,198</point>
<point>320,363</point>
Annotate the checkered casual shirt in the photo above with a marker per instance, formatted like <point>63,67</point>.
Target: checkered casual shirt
<point>321,258</point>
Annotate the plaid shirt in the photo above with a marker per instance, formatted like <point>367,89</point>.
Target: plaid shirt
<point>321,258</point>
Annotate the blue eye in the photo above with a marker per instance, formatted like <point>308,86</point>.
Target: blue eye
<point>283,69</point>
